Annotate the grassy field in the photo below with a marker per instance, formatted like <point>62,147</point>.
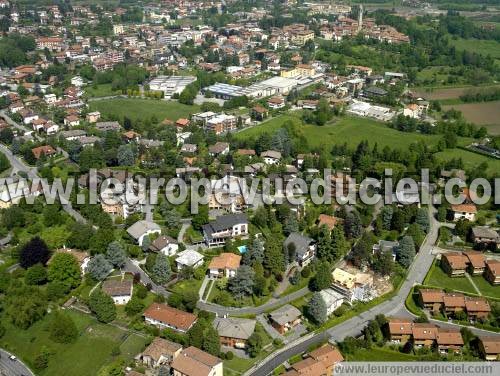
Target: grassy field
<point>143,108</point>
<point>443,94</point>
<point>484,47</point>
<point>350,130</point>
<point>91,351</point>
<point>103,90</point>
<point>485,287</point>
<point>470,159</point>
<point>381,354</point>
<point>484,113</point>
<point>437,278</point>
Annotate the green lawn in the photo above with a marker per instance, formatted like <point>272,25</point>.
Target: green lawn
<point>103,90</point>
<point>143,108</point>
<point>485,287</point>
<point>91,351</point>
<point>470,159</point>
<point>484,47</point>
<point>350,130</point>
<point>437,278</point>
<point>185,286</point>
<point>376,354</point>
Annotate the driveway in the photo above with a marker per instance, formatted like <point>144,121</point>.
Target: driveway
<point>12,367</point>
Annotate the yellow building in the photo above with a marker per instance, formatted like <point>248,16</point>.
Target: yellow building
<point>301,37</point>
<point>343,278</point>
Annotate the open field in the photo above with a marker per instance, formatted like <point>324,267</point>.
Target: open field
<point>470,159</point>
<point>483,47</point>
<point>484,113</point>
<point>91,351</point>
<point>350,130</point>
<point>380,355</point>
<point>143,108</point>
<point>446,93</point>
<point>102,90</point>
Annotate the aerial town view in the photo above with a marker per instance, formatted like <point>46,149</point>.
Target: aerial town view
<point>249,187</point>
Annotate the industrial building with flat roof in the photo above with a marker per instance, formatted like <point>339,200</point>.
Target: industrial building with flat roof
<point>170,85</point>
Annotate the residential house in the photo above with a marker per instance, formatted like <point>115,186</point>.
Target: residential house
<point>271,157</point>
<point>225,227</point>
<point>108,126</point>
<point>233,331</point>
<point>302,246</point>
<point>453,303</point>
<point>71,120</point>
<point>189,258</point>
<point>140,229</point>
<point>259,113</point>
<point>424,334</point>
<point>181,124</point>
<point>220,148</point>
<point>93,117</point>
<point>224,265</point>
<point>449,340</point>
<point>492,272</point>
<point>245,152</point>
<point>189,148</point>
<point>476,263</point>
<point>164,316</point>
<point>164,244</point>
<point>195,362</point>
<point>73,134</point>
<point>465,211</point>
<point>285,318</point>
<point>119,290</point>
<point>333,300</point>
<point>484,235</point>
<point>400,330</point>
<point>307,367</point>
<point>454,264</point>
<point>160,352</point>
<point>477,308</point>
<point>489,347</point>
<point>45,150</point>
<point>276,103</point>
<point>222,124</point>
<point>431,299</point>
<point>82,257</point>
<point>328,355</point>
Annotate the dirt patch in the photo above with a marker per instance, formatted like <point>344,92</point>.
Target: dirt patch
<point>485,113</point>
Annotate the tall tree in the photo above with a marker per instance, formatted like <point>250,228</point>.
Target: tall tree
<point>116,254</point>
<point>34,252</point>
<point>64,268</point>
<point>316,308</point>
<point>352,225</point>
<point>103,306</point>
<point>406,252</point>
<point>242,283</point>
<point>323,277</point>
<point>161,270</point>
<point>62,328</point>
<point>274,259</point>
<point>422,219</point>
<point>211,341</point>
<point>98,267</point>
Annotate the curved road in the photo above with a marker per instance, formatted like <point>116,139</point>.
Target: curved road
<point>10,367</point>
<point>352,327</point>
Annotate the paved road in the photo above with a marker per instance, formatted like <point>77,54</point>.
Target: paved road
<point>132,266</point>
<point>352,327</point>
<point>19,127</point>
<point>12,367</point>
<point>32,173</point>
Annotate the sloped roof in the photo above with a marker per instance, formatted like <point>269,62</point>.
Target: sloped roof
<point>285,314</point>
<point>234,327</point>
<point>161,346</point>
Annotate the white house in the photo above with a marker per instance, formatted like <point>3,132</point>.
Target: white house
<point>332,299</point>
<point>120,290</point>
<point>466,211</point>
<point>140,229</point>
<point>229,226</point>
<point>77,81</point>
<point>189,258</point>
<point>271,157</point>
<point>165,244</point>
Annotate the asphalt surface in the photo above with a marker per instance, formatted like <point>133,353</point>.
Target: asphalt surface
<point>393,307</point>
<point>10,367</point>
